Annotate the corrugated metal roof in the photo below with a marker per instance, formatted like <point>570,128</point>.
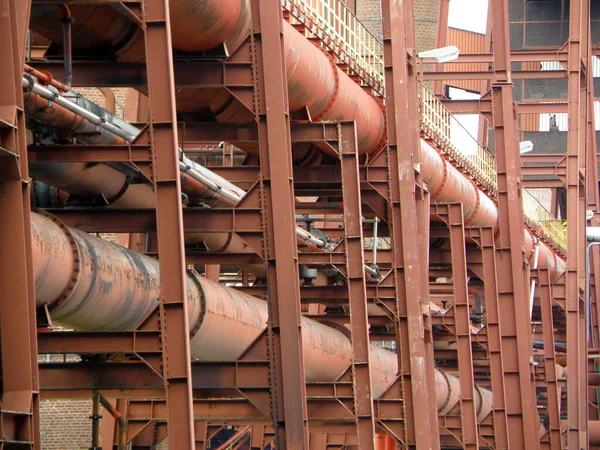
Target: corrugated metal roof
<point>468,43</point>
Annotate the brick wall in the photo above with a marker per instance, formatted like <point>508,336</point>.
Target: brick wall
<point>94,95</point>
<point>65,424</point>
<point>425,12</point>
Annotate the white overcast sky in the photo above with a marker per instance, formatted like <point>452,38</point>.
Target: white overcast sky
<point>470,15</point>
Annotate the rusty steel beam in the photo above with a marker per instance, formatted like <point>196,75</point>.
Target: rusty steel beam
<point>541,184</point>
<point>98,220</point>
<point>173,306</point>
<point>484,106</point>
<point>357,287</point>
<point>486,242</point>
<point>20,400</point>
<point>441,41</point>
<point>462,326</point>
<point>517,75</point>
<point>523,422</point>
<point>552,387</point>
<point>539,55</point>
<point>419,427</point>
<point>579,22</point>
<point>139,342</point>
<point>288,385</point>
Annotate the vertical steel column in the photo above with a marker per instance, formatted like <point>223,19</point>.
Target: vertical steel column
<point>441,40</point>
<point>407,204</point>
<point>492,323</point>
<point>545,290</point>
<point>357,286</point>
<point>521,410</point>
<point>288,384</point>
<point>200,434</point>
<point>576,241</point>
<point>462,324</point>
<point>424,227</point>
<point>19,408</point>
<point>318,441</point>
<point>175,333</point>
<point>257,437</point>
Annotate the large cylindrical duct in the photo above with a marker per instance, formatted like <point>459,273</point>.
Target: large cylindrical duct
<point>91,284</point>
<point>314,81</point>
<point>448,185</point>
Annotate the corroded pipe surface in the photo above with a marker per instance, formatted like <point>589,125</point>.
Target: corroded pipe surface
<point>448,185</point>
<point>314,80</point>
<point>92,284</point>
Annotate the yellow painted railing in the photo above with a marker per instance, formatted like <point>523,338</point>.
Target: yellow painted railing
<point>439,125</point>
<point>454,141</point>
<point>543,223</point>
<point>342,33</point>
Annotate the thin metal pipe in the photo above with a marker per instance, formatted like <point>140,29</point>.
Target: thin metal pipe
<point>67,21</point>
<point>532,286</point>
<point>96,417</point>
<point>375,240</point>
<point>122,425</point>
<point>30,85</point>
<point>45,78</point>
<point>587,277</point>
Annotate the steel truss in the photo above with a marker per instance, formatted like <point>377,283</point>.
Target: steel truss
<point>264,393</point>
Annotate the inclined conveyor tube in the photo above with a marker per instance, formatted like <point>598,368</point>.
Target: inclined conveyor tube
<point>448,185</point>
<point>90,284</point>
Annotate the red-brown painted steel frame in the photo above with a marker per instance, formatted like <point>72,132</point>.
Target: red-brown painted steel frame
<point>486,241</point>
<point>19,406</point>
<point>441,40</point>
<point>513,299</point>
<point>462,326</point>
<point>553,408</point>
<point>288,391</point>
<point>357,288</point>
<point>403,200</point>
<point>420,425</point>
<point>577,47</point>
<point>174,325</point>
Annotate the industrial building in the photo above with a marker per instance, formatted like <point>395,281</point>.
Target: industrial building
<point>299,224</point>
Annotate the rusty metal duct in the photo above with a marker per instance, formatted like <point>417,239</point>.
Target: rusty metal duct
<point>91,284</point>
<point>314,81</point>
<point>446,183</point>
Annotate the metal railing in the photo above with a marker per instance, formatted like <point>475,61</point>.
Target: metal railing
<point>543,223</point>
<point>463,150</point>
<point>453,140</point>
<point>342,33</point>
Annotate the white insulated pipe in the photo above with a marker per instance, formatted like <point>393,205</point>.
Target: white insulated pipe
<point>196,171</point>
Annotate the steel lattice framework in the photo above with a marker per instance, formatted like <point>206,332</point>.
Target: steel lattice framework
<point>356,217</point>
